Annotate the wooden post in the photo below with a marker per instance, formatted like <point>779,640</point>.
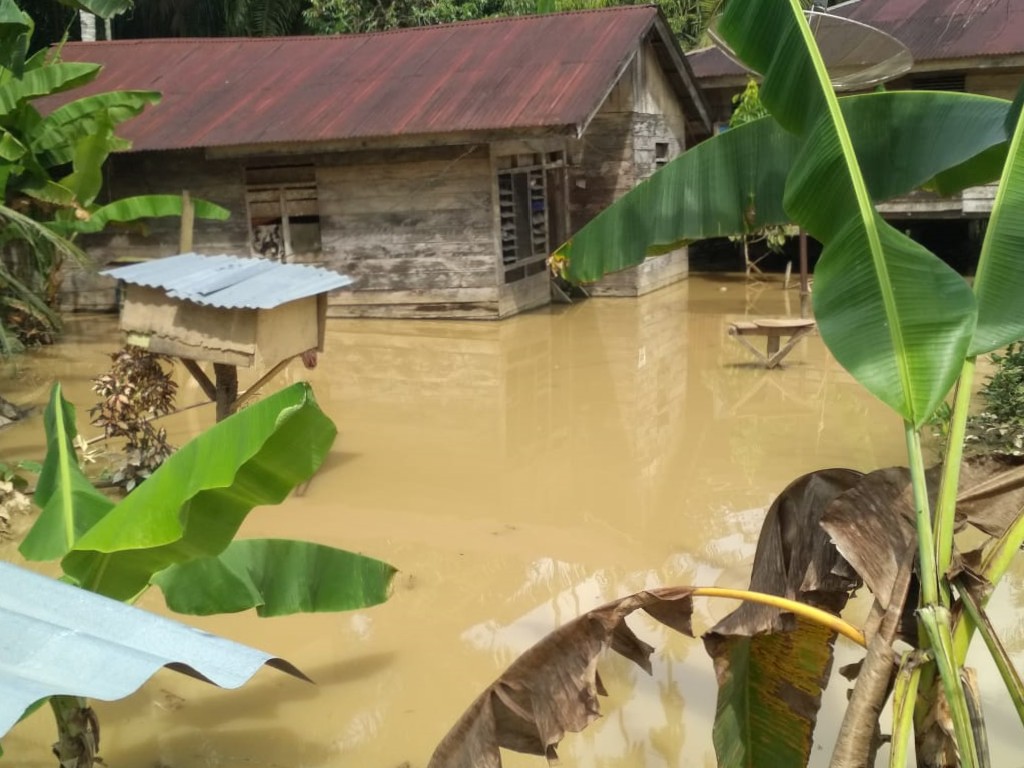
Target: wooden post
<point>286,230</point>
<point>188,219</point>
<point>227,389</point>
<point>805,289</point>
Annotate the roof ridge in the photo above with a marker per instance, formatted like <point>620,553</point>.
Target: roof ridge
<point>614,9</point>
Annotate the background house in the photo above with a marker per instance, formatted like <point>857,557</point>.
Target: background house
<point>438,166</point>
<point>975,46</point>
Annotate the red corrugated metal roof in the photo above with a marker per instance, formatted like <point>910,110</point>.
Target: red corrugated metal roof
<point>519,72</point>
<point>933,30</point>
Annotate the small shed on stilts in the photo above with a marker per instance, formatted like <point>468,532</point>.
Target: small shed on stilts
<point>229,311</point>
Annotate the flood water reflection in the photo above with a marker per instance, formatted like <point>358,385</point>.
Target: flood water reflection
<point>517,473</point>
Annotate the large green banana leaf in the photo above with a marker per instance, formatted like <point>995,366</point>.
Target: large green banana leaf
<point>53,78</point>
<point>12,19</point>
<point>276,577</point>
<point>769,692</point>
<point>193,505</point>
<point>909,139</point>
<point>69,503</point>
<point>892,313</point>
<point>11,149</point>
<point>129,209</point>
<point>734,183</point>
<point>999,281</point>
<point>55,137</point>
<point>91,151</point>
<point>46,190</point>
<point>730,184</point>
<point>15,29</point>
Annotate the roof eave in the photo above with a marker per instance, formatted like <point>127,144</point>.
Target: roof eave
<point>673,62</point>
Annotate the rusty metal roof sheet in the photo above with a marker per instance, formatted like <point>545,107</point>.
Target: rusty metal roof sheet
<point>549,71</point>
<point>933,30</point>
<point>59,639</point>
<point>230,282</point>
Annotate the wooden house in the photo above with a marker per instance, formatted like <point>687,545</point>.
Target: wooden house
<point>437,166</point>
<point>974,47</point>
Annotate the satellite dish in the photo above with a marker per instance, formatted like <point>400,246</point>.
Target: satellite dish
<point>857,55</point>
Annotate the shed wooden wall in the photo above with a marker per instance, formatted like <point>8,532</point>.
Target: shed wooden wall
<point>148,173</point>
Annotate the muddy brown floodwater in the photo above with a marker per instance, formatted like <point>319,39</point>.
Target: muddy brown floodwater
<point>517,473</point>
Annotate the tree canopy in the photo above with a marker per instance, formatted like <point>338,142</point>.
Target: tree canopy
<point>266,18</point>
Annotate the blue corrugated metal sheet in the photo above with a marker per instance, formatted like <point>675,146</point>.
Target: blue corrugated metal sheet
<point>56,639</point>
<point>231,282</point>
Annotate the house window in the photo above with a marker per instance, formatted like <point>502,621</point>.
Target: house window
<point>532,190</point>
<point>284,215</point>
<point>660,153</point>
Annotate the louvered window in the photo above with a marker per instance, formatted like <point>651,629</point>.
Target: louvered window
<point>284,214</point>
<point>531,204</point>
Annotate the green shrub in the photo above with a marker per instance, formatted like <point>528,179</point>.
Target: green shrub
<point>999,428</point>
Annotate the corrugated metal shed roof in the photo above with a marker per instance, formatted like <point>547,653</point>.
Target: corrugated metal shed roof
<point>59,639</point>
<point>230,282</point>
<point>495,74</point>
<point>933,30</point>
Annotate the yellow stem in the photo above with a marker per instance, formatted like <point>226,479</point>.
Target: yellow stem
<point>804,611</point>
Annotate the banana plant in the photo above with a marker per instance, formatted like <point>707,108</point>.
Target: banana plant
<point>51,166</point>
<point>826,534</point>
<point>176,530</point>
<point>904,324</point>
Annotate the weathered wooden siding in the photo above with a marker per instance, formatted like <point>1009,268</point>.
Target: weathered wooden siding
<point>414,228</point>
<point>658,115</point>
<point>639,127</point>
<point>601,167</point>
<point>148,173</point>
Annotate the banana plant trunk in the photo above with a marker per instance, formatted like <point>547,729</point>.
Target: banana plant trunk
<point>78,732</point>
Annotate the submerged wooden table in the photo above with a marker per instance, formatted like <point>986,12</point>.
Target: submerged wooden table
<point>774,330</point>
